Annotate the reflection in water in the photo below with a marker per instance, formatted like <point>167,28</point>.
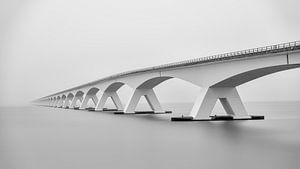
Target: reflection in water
<point>42,137</point>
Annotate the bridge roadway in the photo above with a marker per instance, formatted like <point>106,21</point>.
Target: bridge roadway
<point>217,75</point>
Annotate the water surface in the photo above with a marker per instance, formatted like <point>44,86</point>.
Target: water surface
<point>36,137</point>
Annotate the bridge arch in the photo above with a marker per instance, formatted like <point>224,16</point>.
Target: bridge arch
<point>79,93</point>
<point>110,91</point>
<point>70,95</point>
<point>61,101</point>
<point>151,83</point>
<point>247,76</point>
<point>113,87</point>
<point>77,97</point>
<point>54,101</point>
<point>90,95</point>
<point>92,91</point>
<point>57,98</point>
<point>145,89</point>
<point>69,98</point>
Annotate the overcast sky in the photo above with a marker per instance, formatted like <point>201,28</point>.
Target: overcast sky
<point>50,45</point>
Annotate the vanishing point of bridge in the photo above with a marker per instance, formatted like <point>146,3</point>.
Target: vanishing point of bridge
<point>217,75</point>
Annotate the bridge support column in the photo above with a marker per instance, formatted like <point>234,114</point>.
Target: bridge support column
<point>54,103</point>
<point>67,102</point>
<point>229,98</point>
<point>86,100</point>
<point>115,98</point>
<point>61,102</point>
<point>51,103</point>
<point>150,96</point>
<point>74,101</point>
<point>58,103</point>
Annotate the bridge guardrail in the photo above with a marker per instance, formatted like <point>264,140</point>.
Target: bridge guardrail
<point>237,54</point>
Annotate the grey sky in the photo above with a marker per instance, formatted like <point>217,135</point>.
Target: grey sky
<point>50,45</point>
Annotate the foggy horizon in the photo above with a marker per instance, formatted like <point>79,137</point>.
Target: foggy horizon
<point>50,46</point>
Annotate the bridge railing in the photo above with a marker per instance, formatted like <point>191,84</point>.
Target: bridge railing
<point>237,54</point>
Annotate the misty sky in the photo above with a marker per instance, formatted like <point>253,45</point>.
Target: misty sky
<point>51,45</point>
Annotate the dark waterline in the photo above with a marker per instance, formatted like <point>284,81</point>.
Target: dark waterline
<point>42,137</point>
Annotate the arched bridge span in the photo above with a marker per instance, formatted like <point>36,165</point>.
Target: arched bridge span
<point>217,75</point>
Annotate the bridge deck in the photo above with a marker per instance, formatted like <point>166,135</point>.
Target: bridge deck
<point>272,49</point>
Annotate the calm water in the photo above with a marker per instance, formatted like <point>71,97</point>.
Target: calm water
<point>48,138</point>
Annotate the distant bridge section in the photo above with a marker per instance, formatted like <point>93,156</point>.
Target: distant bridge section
<point>217,75</point>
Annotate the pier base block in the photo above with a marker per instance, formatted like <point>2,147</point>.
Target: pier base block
<point>107,110</point>
<point>90,109</point>
<point>143,112</point>
<point>216,118</point>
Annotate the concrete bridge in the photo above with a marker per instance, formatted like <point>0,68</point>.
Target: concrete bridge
<point>217,75</point>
